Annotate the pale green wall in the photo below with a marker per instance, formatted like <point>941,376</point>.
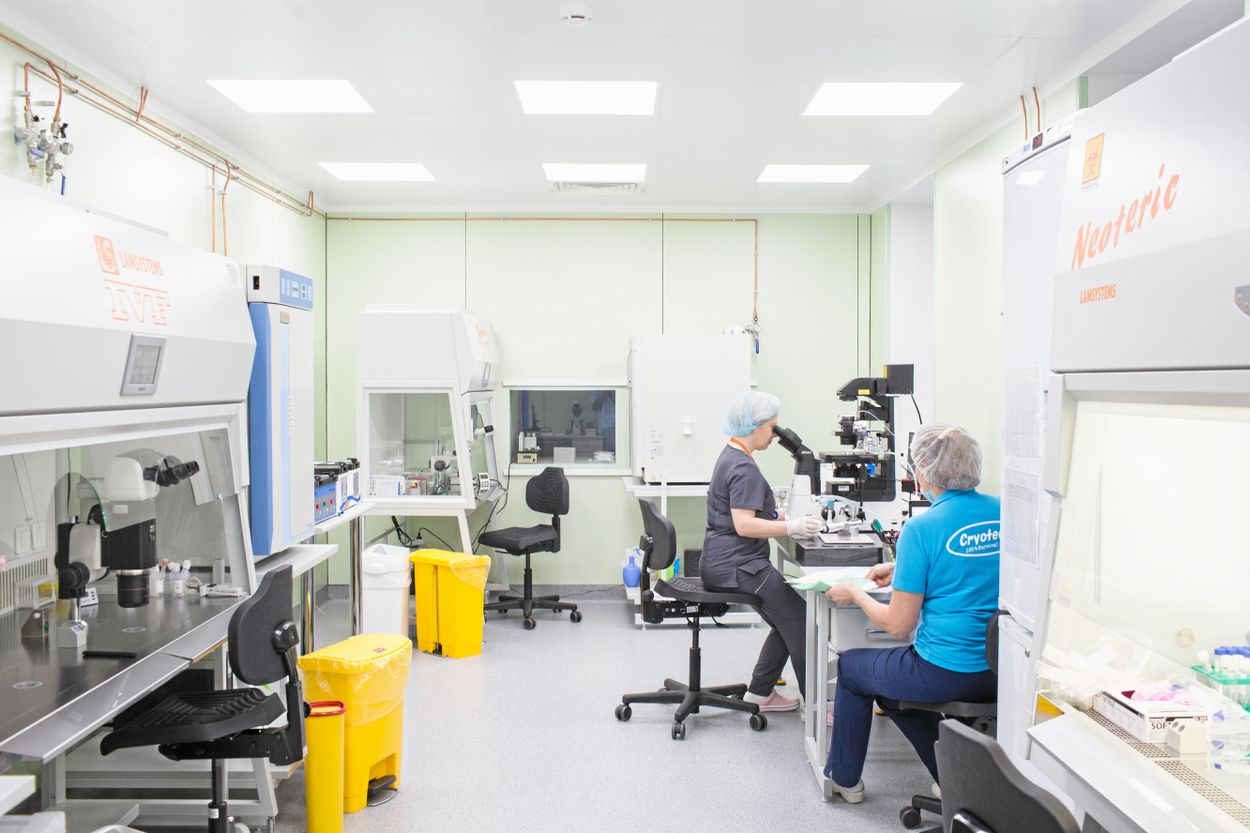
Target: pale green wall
<point>967,284</point>
<point>564,296</point>
<point>879,292</point>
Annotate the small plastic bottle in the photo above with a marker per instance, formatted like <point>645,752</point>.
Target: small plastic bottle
<point>1220,659</point>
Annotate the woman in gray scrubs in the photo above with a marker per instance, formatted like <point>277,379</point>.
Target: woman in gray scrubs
<point>742,515</point>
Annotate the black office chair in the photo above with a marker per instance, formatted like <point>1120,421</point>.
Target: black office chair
<point>547,493</point>
<point>983,792</point>
<point>263,644</point>
<point>659,548</point>
<point>982,716</point>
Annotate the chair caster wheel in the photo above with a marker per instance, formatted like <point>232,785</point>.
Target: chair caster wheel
<point>624,712</point>
<point>759,722</point>
<point>576,616</point>
<point>910,817</point>
<point>679,731</point>
<point>529,623</point>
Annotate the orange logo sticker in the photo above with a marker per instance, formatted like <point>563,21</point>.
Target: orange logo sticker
<point>107,255</point>
<point>1093,159</point>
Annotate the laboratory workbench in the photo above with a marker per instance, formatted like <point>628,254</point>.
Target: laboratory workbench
<point>54,698</point>
<point>832,629</point>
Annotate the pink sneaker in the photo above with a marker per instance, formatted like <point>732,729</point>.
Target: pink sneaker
<point>775,702</point>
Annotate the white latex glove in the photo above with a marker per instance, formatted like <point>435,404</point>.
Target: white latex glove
<point>805,527</point>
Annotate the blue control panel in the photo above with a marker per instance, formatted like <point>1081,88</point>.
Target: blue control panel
<point>295,290</point>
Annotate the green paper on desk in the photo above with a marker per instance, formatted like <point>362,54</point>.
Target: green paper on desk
<point>822,583</point>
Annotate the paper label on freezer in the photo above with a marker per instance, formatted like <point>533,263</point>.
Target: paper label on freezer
<point>1022,429</point>
<point>1020,507</point>
<point>657,444</point>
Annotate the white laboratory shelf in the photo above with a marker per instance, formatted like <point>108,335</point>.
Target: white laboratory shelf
<point>14,789</point>
<point>356,511</point>
<point>637,488</point>
<point>737,615</point>
<point>301,557</point>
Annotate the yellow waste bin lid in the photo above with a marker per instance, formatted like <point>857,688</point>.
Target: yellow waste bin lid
<point>471,569</point>
<point>358,655</point>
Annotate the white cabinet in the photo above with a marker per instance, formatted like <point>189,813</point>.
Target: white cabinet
<point>679,388</point>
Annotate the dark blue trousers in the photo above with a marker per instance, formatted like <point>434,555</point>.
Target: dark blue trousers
<point>889,675</point>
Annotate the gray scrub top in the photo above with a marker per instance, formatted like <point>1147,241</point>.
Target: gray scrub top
<point>737,483</point>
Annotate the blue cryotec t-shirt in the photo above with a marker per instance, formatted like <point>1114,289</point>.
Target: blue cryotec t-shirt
<point>950,556</point>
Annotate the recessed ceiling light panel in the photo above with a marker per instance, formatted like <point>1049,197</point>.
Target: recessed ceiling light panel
<point>811,173</point>
<point>379,171</point>
<point>880,98</point>
<point>587,98</point>
<point>293,96</point>
<point>595,172</point>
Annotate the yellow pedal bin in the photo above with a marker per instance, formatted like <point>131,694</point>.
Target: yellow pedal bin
<point>323,766</point>
<point>450,589</point>
<point>367,674</point>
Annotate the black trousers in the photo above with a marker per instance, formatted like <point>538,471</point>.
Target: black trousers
<point>785,611</point>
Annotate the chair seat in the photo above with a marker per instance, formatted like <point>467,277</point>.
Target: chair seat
<point>954,708</point>
<point>196,717</point>
<point>520,540</point>
<point>691,590</point>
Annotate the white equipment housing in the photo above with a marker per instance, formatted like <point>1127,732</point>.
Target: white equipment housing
<point>1151,350</point>
<point>679,387</point>
<point>426,380</point>
<point>1033,183</point>
<point>123,343</point>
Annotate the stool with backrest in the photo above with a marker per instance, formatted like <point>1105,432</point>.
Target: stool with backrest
<point>983,792</point>
<point>263,644</point>
<point>983,716</point>
<point>548,493</point>
<point>659,548</point>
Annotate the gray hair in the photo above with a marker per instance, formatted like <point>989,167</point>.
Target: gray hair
<point>947,455</point>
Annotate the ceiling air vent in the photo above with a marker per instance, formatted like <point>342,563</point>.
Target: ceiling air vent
<point>596,187</point>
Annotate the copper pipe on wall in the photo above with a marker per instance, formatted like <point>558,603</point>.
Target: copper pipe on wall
<point>174,139</point>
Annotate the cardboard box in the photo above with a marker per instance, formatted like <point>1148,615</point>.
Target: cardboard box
<point>1145,720</point>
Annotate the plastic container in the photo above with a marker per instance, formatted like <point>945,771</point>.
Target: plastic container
<point>631,573</point>
<point>323,766</point>
<point>367,674</point>
<point>450,590</point>
<point>384,584</point>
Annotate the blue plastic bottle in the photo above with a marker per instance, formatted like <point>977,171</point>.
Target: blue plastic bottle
<point>676,567</point>
<point>631,573</point>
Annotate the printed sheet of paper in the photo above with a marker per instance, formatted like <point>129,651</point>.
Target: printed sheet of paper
<point>1021,500</point>
<point>1023,415</point>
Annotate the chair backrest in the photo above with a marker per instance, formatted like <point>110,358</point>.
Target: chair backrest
<point>991,639</point>
<point>980,781</point>
<point>659,538</point>
<point>548,492</point>
<point>261,631</point>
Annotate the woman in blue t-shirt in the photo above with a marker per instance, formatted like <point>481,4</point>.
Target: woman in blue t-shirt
<point>945,579</point>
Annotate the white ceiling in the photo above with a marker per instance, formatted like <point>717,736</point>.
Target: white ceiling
<point>734,76</point>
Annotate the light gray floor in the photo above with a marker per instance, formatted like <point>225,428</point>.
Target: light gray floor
<point>523,738</point>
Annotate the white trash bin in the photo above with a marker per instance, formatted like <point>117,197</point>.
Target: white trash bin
<point>386,574</point>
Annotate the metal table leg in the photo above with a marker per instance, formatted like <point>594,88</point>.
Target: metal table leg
<point>308,583</point>
<point>356,548</point>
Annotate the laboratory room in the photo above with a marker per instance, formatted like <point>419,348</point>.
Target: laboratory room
<point>497,416</point>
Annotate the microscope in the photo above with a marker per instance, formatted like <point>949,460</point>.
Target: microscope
<point>119,534</point>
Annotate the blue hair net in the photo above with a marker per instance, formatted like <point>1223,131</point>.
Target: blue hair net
<point>748,412</point>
